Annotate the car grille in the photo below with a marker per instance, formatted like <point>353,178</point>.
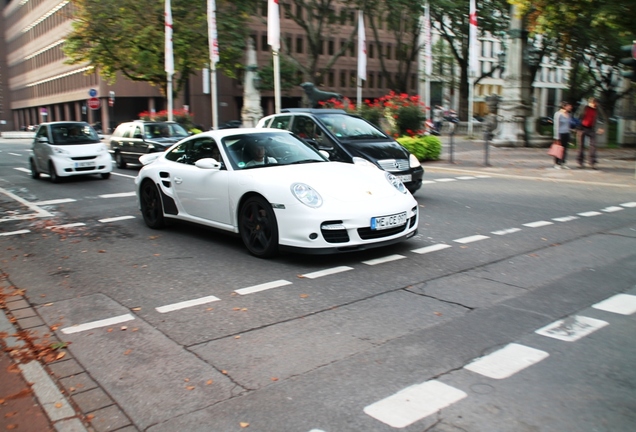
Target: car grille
<point>332,234</point>
<point>394,165</point>
<point>82,158</point>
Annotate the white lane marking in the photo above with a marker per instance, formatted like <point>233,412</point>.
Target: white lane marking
<point>26,170</point>
<point>123,175</point>
<point>443,180</point>
<point>433,248</point>
<point>612,209</point>
<point>14,154</point>
<point>471,239</point>
<point>186,304</point>
<point>506,361</point>
<point>466,178</point>
<point>262,287</point>
<point>538,224</point>
<point>56,201</point>
<point>97,324</point>
<point>506,231</point>
<point>116,219</point>
<point>589,214</point>
<point>71,225</point>
<point>414,403</point>
<point>14,233</point>
<point>428,182</point>
<point>629,204</point>
<point>118,195</point>
<point>624,304</point>
<point>565,218</point>
<point>326,272</point>
<point>482,176</point>
<point>572,328</point>
<point>38,211</point>
<point>383,260</point>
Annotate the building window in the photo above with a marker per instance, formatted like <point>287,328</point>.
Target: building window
<point>331,47</point>
<point>264,46</point>
<point>331,79</point>
<point>299,12</point>
<point>299,45</point>
<point>343,79</point>
<point>371,52</point>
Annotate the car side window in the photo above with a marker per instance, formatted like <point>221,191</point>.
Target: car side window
<point>179,153</point>
<point>137,132</point>
<point>127,131</point>
<point>281,122</point>
<point>41,133</point>
<point>204,148</point>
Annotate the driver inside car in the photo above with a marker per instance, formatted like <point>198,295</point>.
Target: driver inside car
<point>257,152</point>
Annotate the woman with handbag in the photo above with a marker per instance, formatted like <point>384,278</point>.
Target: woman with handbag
<point>561,133</point>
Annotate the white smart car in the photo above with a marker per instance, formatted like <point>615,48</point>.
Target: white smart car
<point>67,148</point>
<point>276,192</point>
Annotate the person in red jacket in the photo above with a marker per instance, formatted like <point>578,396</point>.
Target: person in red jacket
<point>588,116</point>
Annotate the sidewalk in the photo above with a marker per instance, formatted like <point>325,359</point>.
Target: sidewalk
<point>617,167</point>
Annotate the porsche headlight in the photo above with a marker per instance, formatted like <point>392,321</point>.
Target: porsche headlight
<point>413,162</point>
<point>396,182</point>
<point>306,195</point>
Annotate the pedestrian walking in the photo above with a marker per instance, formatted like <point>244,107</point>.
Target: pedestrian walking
<point>561,126</point>
<point>438,116</point>
<point>588,116</point>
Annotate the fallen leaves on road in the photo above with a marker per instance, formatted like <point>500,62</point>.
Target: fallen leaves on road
<point>190,387</point>
<point>244,424</point>
<point>128,351</point>
<point>304,295</point>
<point>208,382</point>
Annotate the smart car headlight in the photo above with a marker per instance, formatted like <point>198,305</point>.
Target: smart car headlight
<point>413,162</point>
<point>396,182</point>
<point>306,195</point>
<point>59,150</point>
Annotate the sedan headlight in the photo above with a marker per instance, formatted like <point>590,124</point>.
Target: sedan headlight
<point>396,182</point>
<point>306,195</point>
<point>413,162</point>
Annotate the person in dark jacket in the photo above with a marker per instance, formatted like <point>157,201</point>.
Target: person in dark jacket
<point>589,116</point>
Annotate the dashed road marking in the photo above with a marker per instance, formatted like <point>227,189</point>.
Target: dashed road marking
<point>624,304</point>
<point>466,178</point>
<point>118,195</point>
<point>14,154</point>
<point>25,170</point>
<point>414,403</point>
<point>612,209</point>
<point>565,218</point>
<point>445,180</point>
<point>97,324</point>
<point>506,231</point>
<point>471,239</point>
<point>71,225</point>
<point>55,201</point>
<point>186,304</point>
<point>572,328</point>
<point>383,260</point>
<point>123,175</point>
<point>262,287</point>
<point>538,224</point>
<point>590,214</point>
<point>629,204</point>
<point>506,361</point>
<point>326,272</point>
<point>24,231</point>
<point>116,219</point>
<point>433,248</point>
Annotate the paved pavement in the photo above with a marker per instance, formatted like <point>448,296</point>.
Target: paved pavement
<point>34,395</point>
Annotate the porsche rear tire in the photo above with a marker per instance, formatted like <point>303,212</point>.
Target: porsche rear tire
<point>150,203</point>
<point>258,227</point>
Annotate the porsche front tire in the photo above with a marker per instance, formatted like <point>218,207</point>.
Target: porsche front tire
<point>258,227</point>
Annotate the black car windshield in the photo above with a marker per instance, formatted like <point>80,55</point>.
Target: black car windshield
<point>346,126</point>
<point>257,150</point>
<point>164,130</point>
<point>73,133</point>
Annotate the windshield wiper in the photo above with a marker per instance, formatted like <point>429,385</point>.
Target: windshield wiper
<point>364,136</point>
<point>303,161</point>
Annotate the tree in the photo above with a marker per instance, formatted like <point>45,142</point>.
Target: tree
<point>127,36</point>
<point>590,34</point>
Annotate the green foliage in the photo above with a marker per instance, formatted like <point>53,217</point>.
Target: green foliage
<point>423,147</point>
<point>409,119</point>
<point>288,75</point>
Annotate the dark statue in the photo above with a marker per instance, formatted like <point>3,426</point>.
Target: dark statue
<point>316,95</point>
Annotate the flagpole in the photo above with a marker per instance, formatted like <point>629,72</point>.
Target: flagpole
<point>214,58</point>
<point>169,56</point>
<point>273,40</point>
<point>473,62</point>
<point>428,58</point>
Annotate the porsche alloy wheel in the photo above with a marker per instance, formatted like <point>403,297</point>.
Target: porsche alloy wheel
<point>258,227</point>
<point>151,208</point>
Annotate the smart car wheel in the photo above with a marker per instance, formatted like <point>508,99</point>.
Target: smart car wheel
<point>151,209</point>
<point>34,169</point>
<point>119,160</point>
<point>105,176</point>
<point>258,227</point>
<point>53,174</point>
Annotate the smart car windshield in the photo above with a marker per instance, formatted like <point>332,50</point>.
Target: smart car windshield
<point>256,150</point>
<point>346,126</point>
<point>73,133</point>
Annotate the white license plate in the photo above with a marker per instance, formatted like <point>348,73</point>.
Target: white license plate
<point>405,178</point>
<point>384,222</point>
<point>84,164</point>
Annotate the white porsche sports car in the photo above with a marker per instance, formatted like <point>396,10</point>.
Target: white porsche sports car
<point>276,192</point>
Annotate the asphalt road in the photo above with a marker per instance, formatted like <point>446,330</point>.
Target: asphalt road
<point>368,341</point>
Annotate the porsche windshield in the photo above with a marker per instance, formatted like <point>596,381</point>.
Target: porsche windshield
<point>346,126</point>
<point>268,149</point>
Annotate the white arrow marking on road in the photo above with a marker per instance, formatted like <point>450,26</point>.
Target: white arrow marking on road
<point>572,328</point>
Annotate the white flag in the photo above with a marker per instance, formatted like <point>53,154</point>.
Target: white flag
<point>213,37</point>
<point>273,25</point>
<point>362,48</point>
<point>473,63</point>
<point>428,50</point>
<point>169,61</point>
